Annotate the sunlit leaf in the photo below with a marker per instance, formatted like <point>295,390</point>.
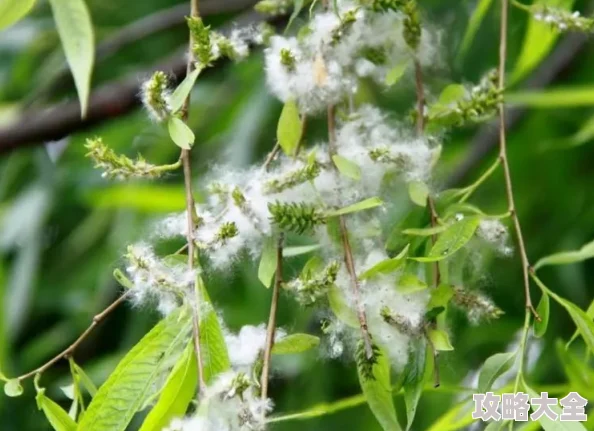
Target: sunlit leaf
<point>394,74</point>
<point>12,11</point>
<point>288,132</point>
<point>557,97</point>
<point>151,198</point>
<point>540,326</point>
<point>378,393</point>
<point>385,266</point>
<point>180,133</point>
<point>418,193</point>
<point>474,24</point>
<point>181,93</point>
<point>267,266</point>
<point>568,257</point>
<point>56,415</point>
<point>359,206</point>
<point>346,167</point>
<point>410,283</point>
<point>340,308</point>
<point>177,393</point>
<point>440,297</point>
<point>451,94</point>
<point>428,231</point>
<point>494,367</point>
<point>440,340</point>
<point>133,380</point>
<point>416,373</point>
<point>300,250</point>
<point>76,34</point>
<point>295,343</point>
<point>452,240</point>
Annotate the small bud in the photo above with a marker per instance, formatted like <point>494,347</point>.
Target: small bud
<point>226,231</point>
<point>155,96</point>
<point>201,41</point>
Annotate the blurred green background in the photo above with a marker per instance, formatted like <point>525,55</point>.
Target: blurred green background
<point>63,228</point>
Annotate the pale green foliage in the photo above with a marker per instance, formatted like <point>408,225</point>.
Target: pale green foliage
<point>12,11</point>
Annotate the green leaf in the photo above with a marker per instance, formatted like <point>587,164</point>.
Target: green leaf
<point>296,10</point>
<point>12,11</point>
<point>568,257</point>
<point>558,97</point>
<point>56,415</point>
<point>494,367</point>
<point>122,279</point>
<point>340,308</point>
<point>13,388</point>
<point>180,133</point>
<point>215,356</point>
<point>385,266</point>
<point>550,425</point>
<point>181,93</point>
<point>359,206</point>
<point>177,393</point>
<point>300,250</point>
<point>85,379</point>
<point>590,314</point>
<point>321,409</point>
<point>267,266</point>
<point>540,327</point>
<point>473,25</point>
<point>578,371</point>
<point>76,34</point>
<point>146,198</point>
<point>416,373</point>
<point>418,192</point>
<point>452,93</point>
<point>135,377</point>
<point>394,74</point>
<point>440,340</point>
<point>428,231</point>
<point>295,343</point>
<point>440,297</point>
<point>288,132</point>
<point>346,167</point>
<point>539,39</point>
<point>378,392</point>
<point>452,240</point>
<point>410,283</point>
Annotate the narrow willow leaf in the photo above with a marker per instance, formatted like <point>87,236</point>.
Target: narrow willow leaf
<point>578,372</point>
<point>567,257</point>
<point>429,231</point>
<point>134,379</point>
<point>76,34</point>
<point>540,326</point>
<point>378,393</point>
<point>394,74</point>
<point>417,370</point>
<point>559,97</point>
<point>452,240</point>
<point>122,279</point>
<point>410,283</point>
<point>181,93</point>
<point>385,266</point>
<point>288,132</point>
<point>346,167</point>
<point>300,250</point>
<point>359,206</point>
<point>12,11</point>
<point>180,133</point>
<point>340,308</point>
<point>440,297</point>
<point>452,93</point>
<point>440,340</point>
<point>84,379</point>
<point>474,24</point>
<point>582,320</point>
<point>590,314</point>
<point>215,356</point>
<point>539,39</point>
<point>177,393</point>
<point>56,415</point>
<point>267,266</point>
<point>295,343</point>
<point>418,192</point>
<point>321,409</point>
<point>550,425</point>
<point>494,367</point>
<point>13,388</point>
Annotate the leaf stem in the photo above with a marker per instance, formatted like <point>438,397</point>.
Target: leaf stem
<point>192,216</point>
<point>504,159</point>
<point>98,318</point>
<point>271,329</point>
<point>472,188</point>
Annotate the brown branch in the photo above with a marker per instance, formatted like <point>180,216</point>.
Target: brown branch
<point>504,161</point>
<point>271,329</point>
<point>110,101</point>
<point>98,318</point>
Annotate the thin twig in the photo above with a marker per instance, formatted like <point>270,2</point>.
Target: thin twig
<point>504,161</point>
<point>346,245</point>
<point>98,318</point>
<point>191,217</point>
<point>271,329</point>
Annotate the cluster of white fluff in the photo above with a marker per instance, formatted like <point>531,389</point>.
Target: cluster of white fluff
<point>246,346</point>
<point>562,20</point>
<point>228,404</point>
<point>496,234</point>
<point>337,49</point>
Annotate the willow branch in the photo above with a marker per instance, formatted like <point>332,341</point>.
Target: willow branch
<point>504,159</point>
<point>98,318</point>
<point>191,215</point>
